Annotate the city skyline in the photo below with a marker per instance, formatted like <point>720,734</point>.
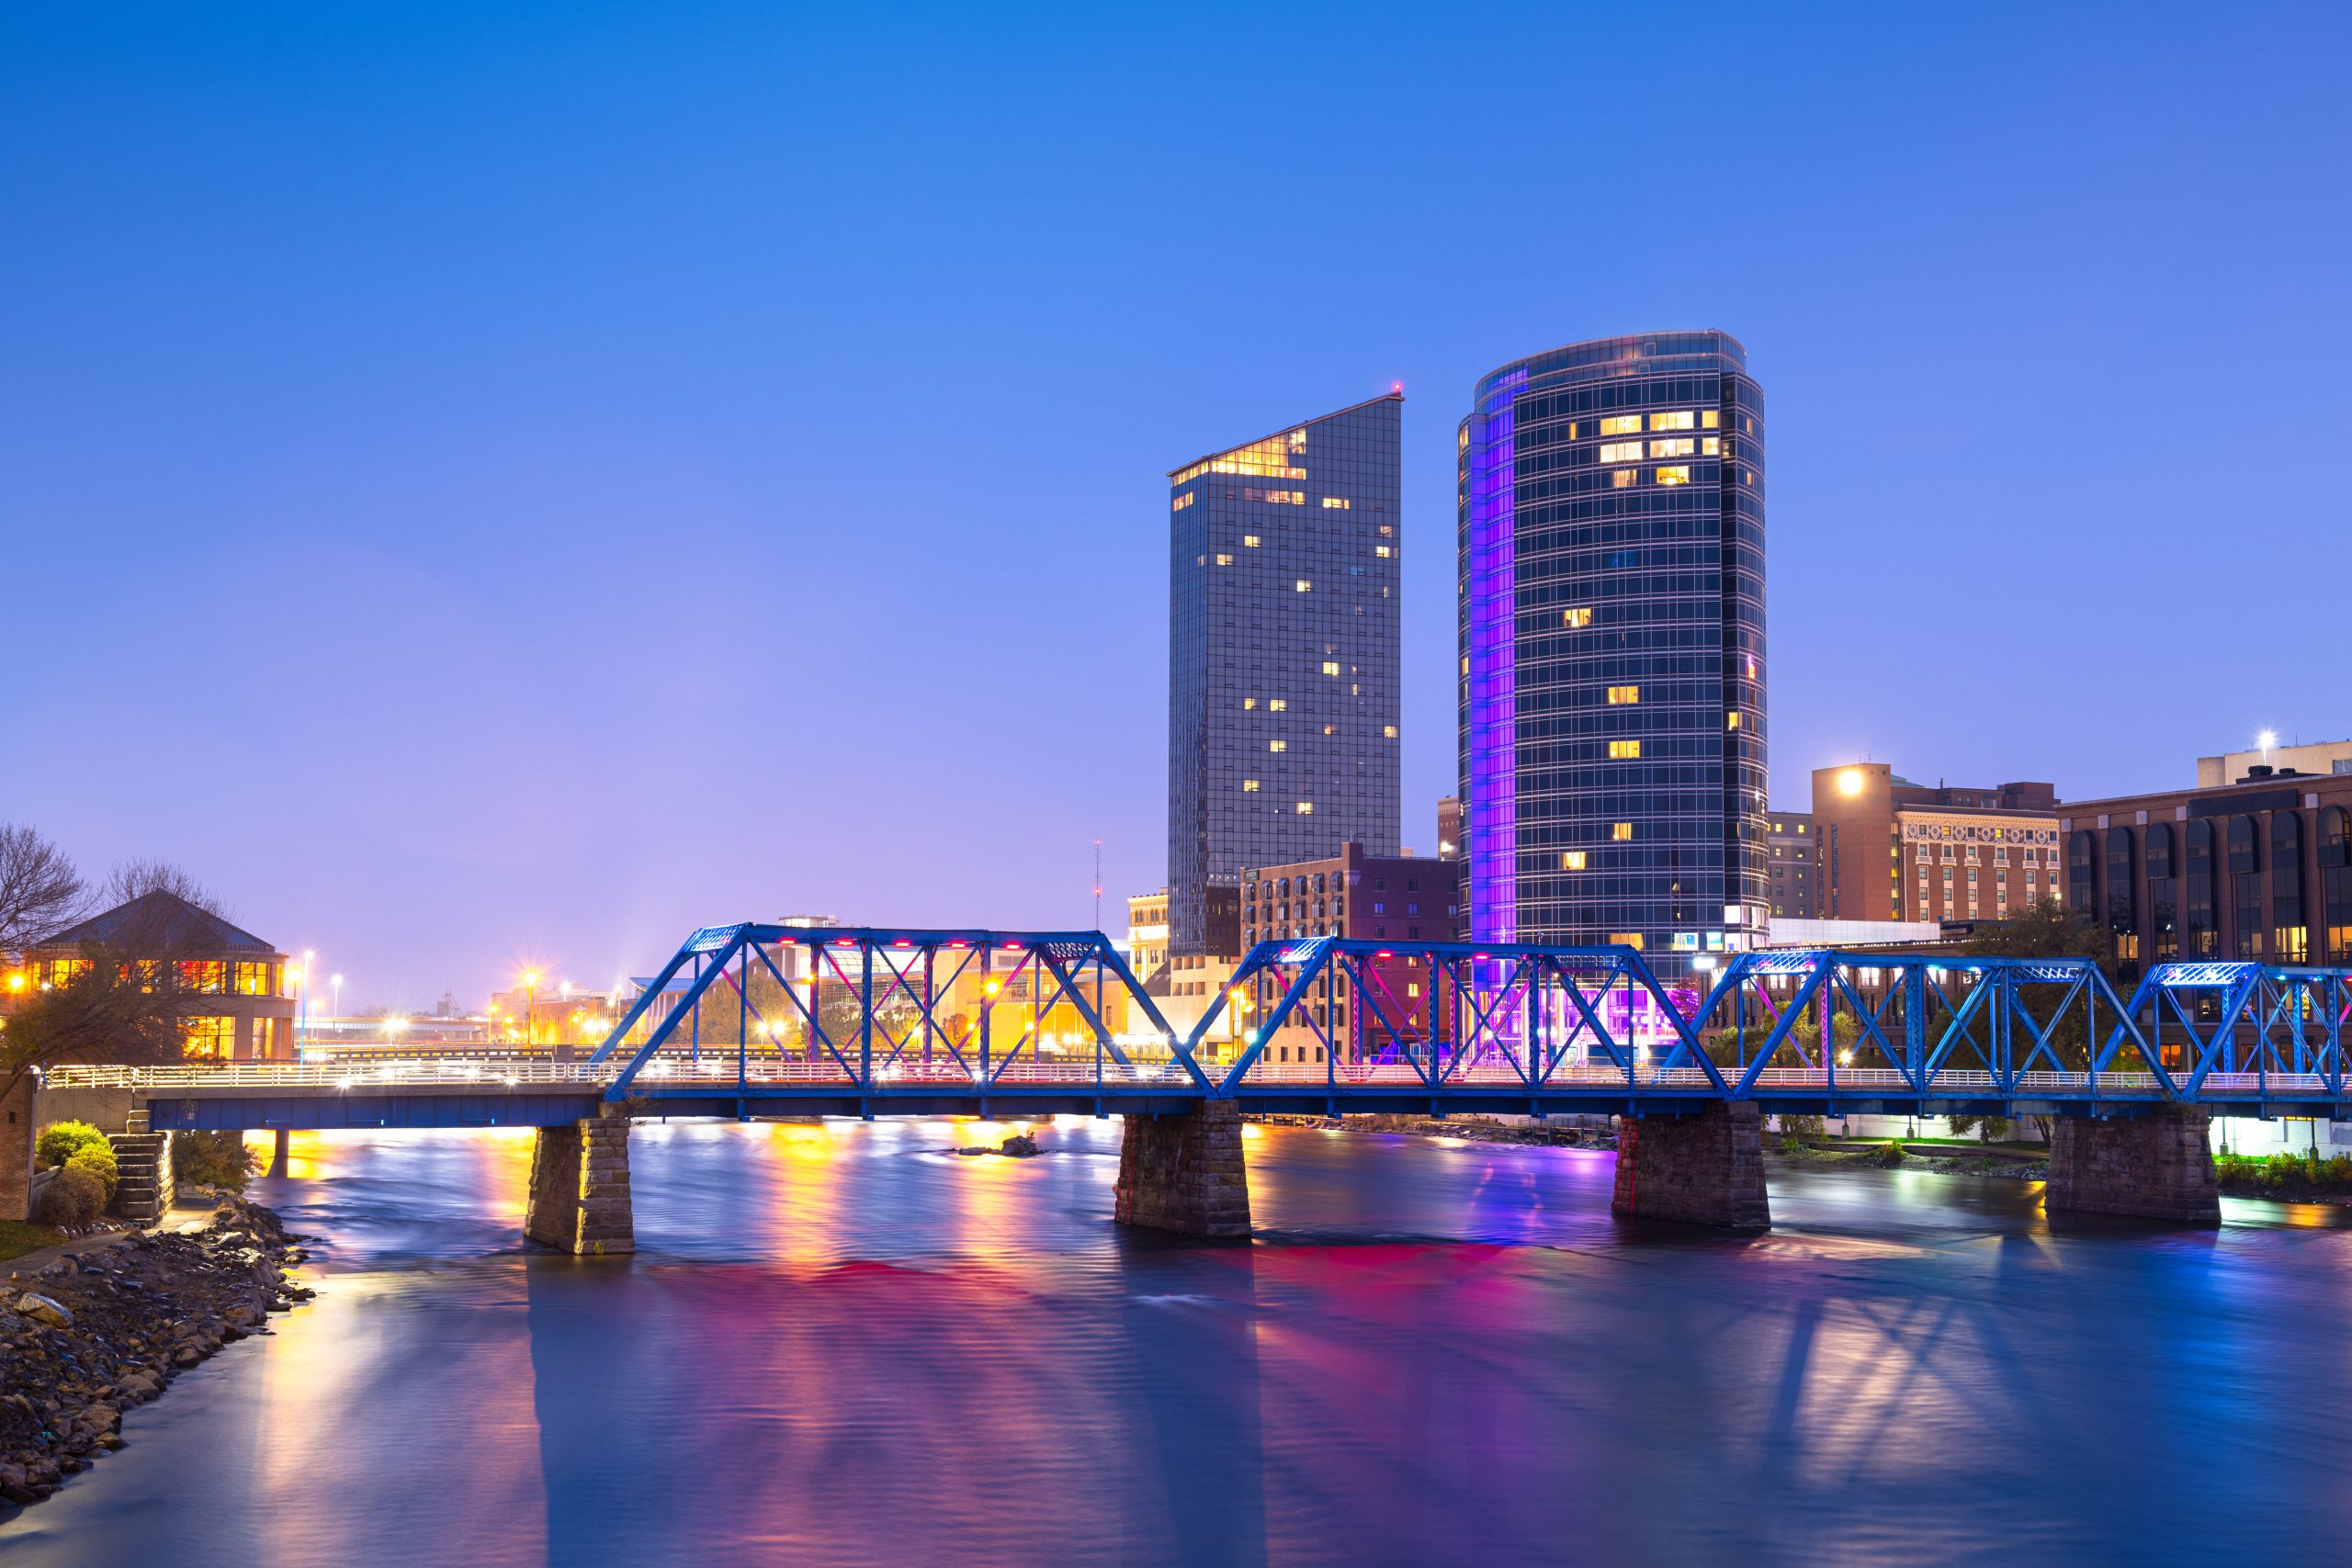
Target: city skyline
<point>465,461</point>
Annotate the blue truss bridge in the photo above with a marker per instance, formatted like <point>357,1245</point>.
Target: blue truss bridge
<point>753,1018</point>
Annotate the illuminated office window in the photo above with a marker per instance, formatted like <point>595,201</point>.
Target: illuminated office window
<point>1305,584</point>
<point>1330,667</point>
<point>1249,786</point>
<point>1621,750</point>
<point>1181,502</point>
<point>1710,445</point>
<point>1625,939</point>
<point>1675,474</point>
<point>1683,419</point>
<point>1388,730</point>
<point>1579,616</point>
<point>1335,504</point>
<point>1624,479</point>
<point>1731,721</point>
<point>1249,541</point>
<point>1278,704</point>
<point>1277,745</point>
<point>1620,424</point>
<point>1248,703</point>
<point>1224,559</point>
<point>1621,451</point>
<point>1709,419</point>
<point>1330,730</point>
<point>1622,832</point>
<point>1572,859</point>
<point>1674,446</point>
<point>1306,808</point>
<point>1384,551</point>
<point>1623,696</point>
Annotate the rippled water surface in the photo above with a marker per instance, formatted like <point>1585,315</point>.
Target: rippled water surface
<point>844,1344</point>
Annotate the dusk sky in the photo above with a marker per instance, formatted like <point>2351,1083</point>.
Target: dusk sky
<point>489,485</point>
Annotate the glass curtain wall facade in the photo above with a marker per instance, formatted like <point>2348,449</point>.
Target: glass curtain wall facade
<point>1611,673</point>
<point>1283,667</point>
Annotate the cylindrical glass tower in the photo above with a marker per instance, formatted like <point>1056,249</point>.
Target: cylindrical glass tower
<point>1611,648</point>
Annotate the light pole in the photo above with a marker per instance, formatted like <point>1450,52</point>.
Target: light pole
<point>530,1006</point>
<point>336,981</point>
<point>294,972</point>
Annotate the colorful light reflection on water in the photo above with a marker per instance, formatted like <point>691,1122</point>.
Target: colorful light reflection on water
<point>848,1344</point>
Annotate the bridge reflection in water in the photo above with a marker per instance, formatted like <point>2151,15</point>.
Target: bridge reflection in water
<point>759,1018</point>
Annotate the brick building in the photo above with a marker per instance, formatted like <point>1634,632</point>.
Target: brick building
<point>1886,848</point>
<point>1795,869</point>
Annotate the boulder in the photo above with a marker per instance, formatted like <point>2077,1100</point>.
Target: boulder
<point>40,1309</point>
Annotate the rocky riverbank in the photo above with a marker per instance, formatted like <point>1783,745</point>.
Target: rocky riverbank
<point>90,1334</point>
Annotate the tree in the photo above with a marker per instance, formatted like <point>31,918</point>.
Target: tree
<point>40,890</point>
<point>136,878</point>
<point>2048,928</point>
<point>113,1008</point>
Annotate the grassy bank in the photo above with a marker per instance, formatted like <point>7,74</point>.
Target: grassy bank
<point>2283,1176</point>
<point>16,1239</point>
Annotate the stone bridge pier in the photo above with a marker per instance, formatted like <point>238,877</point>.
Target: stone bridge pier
<point>2157,1166</point>
<point>579,1198</point>
<point>1705,1169</point>
<point>1184,1172</point>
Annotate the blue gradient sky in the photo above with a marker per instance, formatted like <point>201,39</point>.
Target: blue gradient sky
<point>515,486</point>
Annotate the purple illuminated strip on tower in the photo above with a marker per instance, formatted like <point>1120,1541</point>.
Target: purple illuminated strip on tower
<point>1490,616</point>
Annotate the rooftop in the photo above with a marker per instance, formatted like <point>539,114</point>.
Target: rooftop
<point>161,921</point>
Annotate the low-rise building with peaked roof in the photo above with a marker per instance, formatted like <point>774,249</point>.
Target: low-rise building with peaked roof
<point>237,990</point>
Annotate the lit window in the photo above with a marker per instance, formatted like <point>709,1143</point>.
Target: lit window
<point>1278,704</point>
<point>1676,474</point>
<point>1624,479</point>
<point>1462,439</point>
<point>1382,551</point>
<point>1330,667</point>
<point>1387,531</point>
<point>1709,419</point>
<point>1572,859</point>
<point>1182,501</point>
<point>1622,833</point>
<point>1674,446</point>
<point>1620,424</point>
<point>1305,584</point>
<point>1465,664</point>
<point>1248,703</point>
<point>1249,786</point>
<point>1306,808</point>
<point>1277,745</point>
<point>1625,939</point>
<point>1621,451</point>
<point>1731,721</point>
<point>1621,750</point>
<point>1623,696</point>
<point>1249,541</point>
<point>1389,730</point>
<point>1682,419</point>
<point>1330,730</point>
<point>1335,503</point>
<point>1579,616</point>
<point>1224,559</point>
<point>1710,445</point>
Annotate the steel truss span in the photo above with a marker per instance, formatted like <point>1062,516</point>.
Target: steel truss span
<point>781,1019</point>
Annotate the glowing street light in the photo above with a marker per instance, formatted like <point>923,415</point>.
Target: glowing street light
<point>2266,739</point>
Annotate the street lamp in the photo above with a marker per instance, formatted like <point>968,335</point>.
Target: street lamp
<point>530,1006</point>
<point>294,975</point>
<point>336,981</point>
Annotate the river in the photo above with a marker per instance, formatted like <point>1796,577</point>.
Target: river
<point>842,1343</point>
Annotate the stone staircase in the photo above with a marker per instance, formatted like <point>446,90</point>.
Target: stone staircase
<point>144,1161</point>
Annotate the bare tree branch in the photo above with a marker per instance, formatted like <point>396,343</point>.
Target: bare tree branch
<point>40,890</point>
<point>136,878</point>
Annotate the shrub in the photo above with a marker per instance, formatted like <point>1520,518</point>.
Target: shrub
<point>74,1197</point>
<point>98,1160</point>
<point>60,1139</point>
<point>214,1160</point>
<point>1797,1131</point>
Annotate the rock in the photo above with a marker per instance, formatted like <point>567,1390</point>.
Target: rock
<point>17,1493</point>
<point>1021,1145</point>
<point>40,1309</point>
<point>185,1356</point>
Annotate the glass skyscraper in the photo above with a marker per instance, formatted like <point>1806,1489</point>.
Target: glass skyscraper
<point>1611,731</point>
<point>1282,655</point>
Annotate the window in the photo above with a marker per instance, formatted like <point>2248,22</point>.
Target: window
<point>1579,616</point>
<point>1572,859</point>
<point>1181,502</point>
<point>1676,447</point>
<point>1330,667</point>
<point>1306,808</point>
<point>1620,424</point>
<point>1620,832</point>
<point>1248,703</point>
<point>1683,419</point>
<point>1621,451</point>
<point>1249,786</point>
<point>1275,497</point>
<point>1305,584</point>
<point>1249,541</point>
<point>1335,503</point>
<point>1621,750</point>
<point>1223,559</point>
<point>1277,745</point>
<point>1278,704</point>
<point>1709,419</point>
<point>1710,445</point>
<point>1388,731</point>
<point>1622,696</point>
<point>1382,551</point>
<point>2245,885</point>
<point>1625,939</point>
<point>1679,474</point>
<point>1731,721</point>
<point>2289,937</point>
<point>2196,910</point>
